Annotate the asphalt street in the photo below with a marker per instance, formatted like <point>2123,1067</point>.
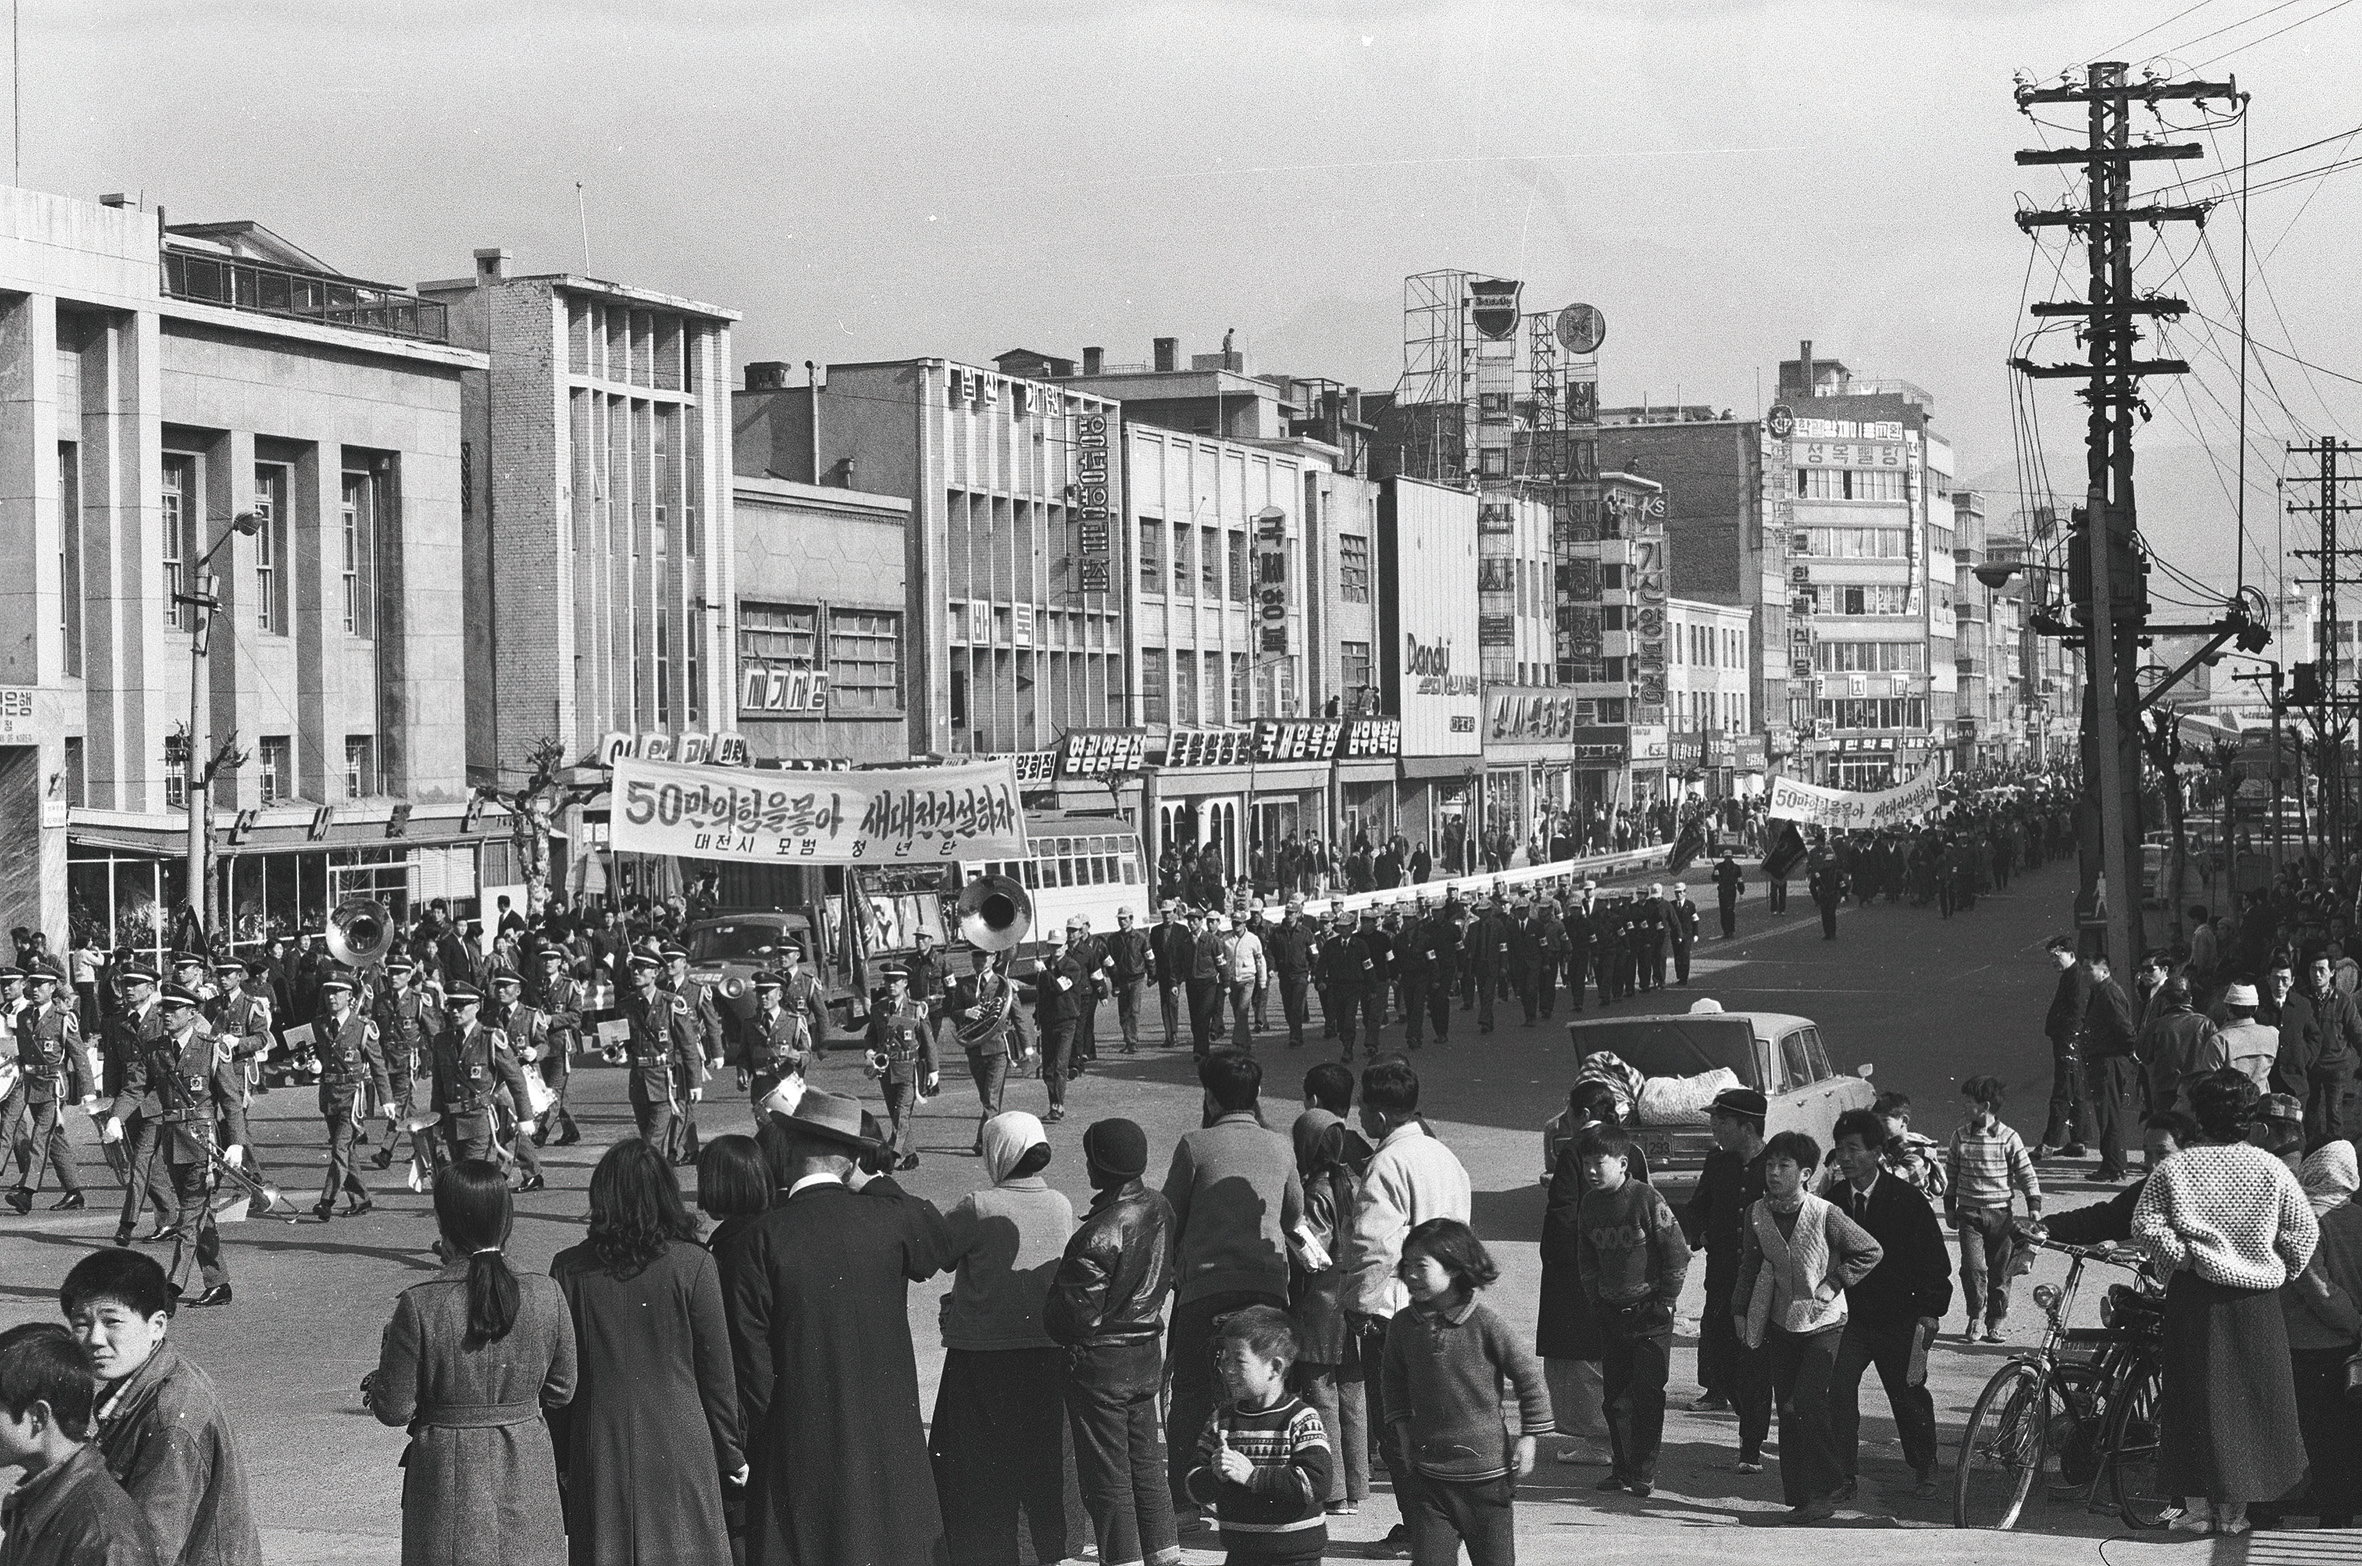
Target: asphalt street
<point>1925,1000</point>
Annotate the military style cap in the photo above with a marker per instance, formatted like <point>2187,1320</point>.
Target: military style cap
<point>179,995</point>
<point>895,970</point>
<point>39,976</point>
<point>9,973</point>
<point>643,961</point>
<point>508,976</point>
<point>673,953</point>
<point>767,980</point>
<point>336,982</point>
<point>463,994</point>
<point>182,960</point>
<point>133,975</point>
<point>549,954</point>
<point>401,965</point>
<point>229,965</point>
<point>256,968</point>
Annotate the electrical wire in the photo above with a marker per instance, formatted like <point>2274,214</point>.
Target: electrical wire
<point>2153,27</point>
<point>2339,5</point>
<point>2231,27</point>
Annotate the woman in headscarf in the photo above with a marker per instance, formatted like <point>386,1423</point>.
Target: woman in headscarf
<point>2228,1225</point>
<point>1328,1370</point>
<point>1004,1472</point>
<point>2324,1328</point>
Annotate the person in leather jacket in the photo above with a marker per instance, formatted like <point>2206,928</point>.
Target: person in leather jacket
<point>1106,1305</point>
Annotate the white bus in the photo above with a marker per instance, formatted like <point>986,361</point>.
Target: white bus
<point>1082,863</point>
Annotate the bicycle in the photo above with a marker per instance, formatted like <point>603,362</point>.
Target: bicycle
<point>2086,1396</point>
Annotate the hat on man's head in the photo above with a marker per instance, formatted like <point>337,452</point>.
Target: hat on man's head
<point>336,982</point>
<point>2241,995</point>
<point>830,1117</point>
<point>1116,1147</point>
<point>768,980</point>
<point>1743,1102</point>
<point>550,954</point>
<point>464,994</point>
<point>2280,1106</point>
<point>641,962</point>
<point>135,975</point>
<point>229,965</point>
<point>182,960</point>
<point>673,953</point>
<point>179,995</point>
<point>894,970</point>
<point>508,976</point>
<point>1169,905</point>
<point>40,976</point>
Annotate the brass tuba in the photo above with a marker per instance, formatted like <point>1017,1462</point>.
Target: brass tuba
<point>995,912</point>
<point>360,933</point>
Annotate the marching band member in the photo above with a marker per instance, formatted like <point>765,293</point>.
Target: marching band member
<point>472,1063</point>
<point>351,1056</point>
<point>169,1085</point>
<point>241,1024</point>
<point>51,1068</point>
<point>527,1030</point>
<point>408,1020</point>
<point>774,1043</point>
<point>902,1051</point>
<point>981,1012</point>
<point>562,998</point>
<point>705,1020</point>
<point>137,1022</point>
<point>662,1053</point>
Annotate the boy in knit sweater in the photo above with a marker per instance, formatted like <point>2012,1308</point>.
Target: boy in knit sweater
<point>1987,1163</point>
<point>1263,1462</point>
<point>1631,1258</point>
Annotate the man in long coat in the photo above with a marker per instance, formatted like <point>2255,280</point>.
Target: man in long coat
<point>828,1382</point>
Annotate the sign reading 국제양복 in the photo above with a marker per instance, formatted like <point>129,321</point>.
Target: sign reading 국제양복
<point>904,815</point>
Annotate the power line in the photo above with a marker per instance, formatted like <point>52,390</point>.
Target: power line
<point>2268,37</point>
<point>2114,49</point>
<point>2228,27</point>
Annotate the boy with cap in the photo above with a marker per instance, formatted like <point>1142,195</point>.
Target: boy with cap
<point>1734,1377</point>
<point>1105,1304</point>
<point>350,1058</point>
<point>170,1082</point>
<point>66,1509</point>
<point>52,1069</point>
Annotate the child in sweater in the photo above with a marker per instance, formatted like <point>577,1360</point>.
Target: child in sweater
<point>1988,1162</point>
<point>1445,1359</point>
<point>1632,1258</point>
<point>1264,1462</point>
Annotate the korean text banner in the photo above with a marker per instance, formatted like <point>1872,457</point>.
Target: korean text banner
<point>1840,810</point>
<point>909,815</point>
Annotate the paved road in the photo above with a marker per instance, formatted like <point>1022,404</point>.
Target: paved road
<point>1928,1000</point>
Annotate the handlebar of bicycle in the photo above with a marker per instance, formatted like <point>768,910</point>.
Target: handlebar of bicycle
<point>2111,1255</point>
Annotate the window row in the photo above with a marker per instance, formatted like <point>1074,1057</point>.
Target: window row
<point>1870,657</point>
<point>861,649</point>
<point>1858,543</point>
<point>1850,484</point>
<point>1189,688</point>
<point>1874,712</point>
<point>192,540</point>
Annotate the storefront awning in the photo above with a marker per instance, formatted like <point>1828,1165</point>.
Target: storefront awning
<point>1366,772</point>
<point>1440,766</point>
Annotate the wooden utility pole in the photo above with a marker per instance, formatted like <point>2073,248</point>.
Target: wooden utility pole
<point>2108,576</point>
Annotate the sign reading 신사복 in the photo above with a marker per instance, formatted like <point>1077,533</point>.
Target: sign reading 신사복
<point>1842,810</point>
<point>904,815</point>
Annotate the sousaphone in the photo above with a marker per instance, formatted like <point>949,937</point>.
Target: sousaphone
<point>995,912</point>
<point>360,933</point>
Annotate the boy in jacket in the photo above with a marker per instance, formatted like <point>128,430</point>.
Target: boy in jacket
<point>66,1510</point>
<point>1894,1311</point>
<point>1631,1258</point>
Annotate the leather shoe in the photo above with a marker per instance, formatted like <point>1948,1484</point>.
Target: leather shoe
<point>383,1158</point>
<point>219,1294</point>
<point>571,1137</point>
<point>354,1209</point>
<point>21,1199</point>
<point>535,1183</point>
<point>1846,1490</point>
<point>71,1202</point>
<point>122,1239</point>
<point>159,1235</point>
<point>909,1162</point>
<point>1819,1509</point>
<point>323,1211</point>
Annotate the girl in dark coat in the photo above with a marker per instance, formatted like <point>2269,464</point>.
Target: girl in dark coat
<point>469,1363</point>
<point>733,1189</point>
<point>652,1433</point>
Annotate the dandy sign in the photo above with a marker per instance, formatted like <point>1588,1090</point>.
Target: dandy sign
<point>1841,809</point>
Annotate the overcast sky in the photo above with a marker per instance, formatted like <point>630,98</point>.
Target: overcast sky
<point>884,180</point>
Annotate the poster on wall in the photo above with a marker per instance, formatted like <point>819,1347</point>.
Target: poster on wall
<point>904,815</point>
<point>1431,672</point>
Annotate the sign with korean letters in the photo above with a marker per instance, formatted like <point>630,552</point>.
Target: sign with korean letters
<point>1847,454</point>
<point>1271,587</point>
<point>901,815</point>
<point>1371,738</point>
<point>1528,715</point>
<point>1091,499</point>
<point>797,689</point>
<point>16,715</point>
<point>1209,748</point>
<point>1297,739</point>
<point>1102,753</point>
<point>719,750</point>
<point>1035,768</point>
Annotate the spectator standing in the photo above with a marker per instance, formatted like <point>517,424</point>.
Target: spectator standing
<point>2245,1043</point>
<point>2110,1070</point>
<point>1632,1259</point>
<point>2324,1325</point>
<point>1262,1460</point>
<point>652,1432</point>
<point>66,1509</point>
<point>1892,1314</point>
<point>470,1364</point>
<point>2173,1042</point>
<point>1732,1375</point>
<point>733,1189</point>
<point>1106,1304</point>
<point>1567,1331</point>
<point>1988,1167</point>
<point>1328,1368</point>
<point>2063,1026</point>
<point>1236,1198</point>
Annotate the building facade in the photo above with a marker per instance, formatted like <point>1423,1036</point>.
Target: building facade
<point>1709,698</point>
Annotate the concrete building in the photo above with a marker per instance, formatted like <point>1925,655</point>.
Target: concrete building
<point>2050,676</point>
<point>168,382</point>
<point>1989,712</point>
<point>598,488</point>
<point>820,611</point>
<point>1709,700</point>
<point>1616,592</point>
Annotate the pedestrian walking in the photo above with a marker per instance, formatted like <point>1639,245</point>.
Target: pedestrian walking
<point>1249,973</point>
<point>1129,962</point>
<point>901,1046</point>
<point>652,1432</point>
<point>1729,882</point>
<point>1209,978</point>
<point>1055,987</point>
<point>1173,954</point>
<point>1733,1376</point>
<point>1632,1259</point>
<point>2229,1226</point>
<point>52,1071</point>
<point>1292,948</point>
<point>1986,1170</point>
<point>1799,1255</point>
<point>1329,1371</point>
<point>66,1509</point>
<point>470,1363</point>
<point>1106,1305</point>
<point>1446,1356</point>
<point>1893,1313</point>
<point>1827,883</point>
<point>2063,1026</point>
<point>352,1062</point>
<point>168,1084</point>
<point>1262,1461</point>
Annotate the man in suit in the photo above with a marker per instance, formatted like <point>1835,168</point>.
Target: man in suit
<point>1209,981</point>
<point>1891,1314</point>
<point>1827,882</point>
<point>1681,929</point>
<point>1173,952</point>
<point>1729,882</point>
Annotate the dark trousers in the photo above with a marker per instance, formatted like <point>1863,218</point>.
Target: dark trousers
<point>1414,1008</point>
<point>1168,997</point>
<point>559,1118</point>
<point>147,1180</point>
<point>1441,1516</point>
<point>2325,1108</point>
<point>1728,907</point>
<point>1086,1023</point>
<point>653,1115</point>
<point>1119,1450</point>
<point>1985,1248</point>
<point>1127,1011</point>
<point>1578,963</point>
<point>1057,1045</point>
<point>45,1142</point>
<point>344,1164</point>
<point>989,1070</point>
<point>1196,1387</point>
<point>1487,981</point>
<point>195,1238</point>
<point>1292,1003</point>
<point>1547,985</point>
<point>1778,897</point>
<point>1681,951</point>
<point>1527,983</point>
<point>1205,1013</point>
<point>1242,1017</point>
<point>1632,1371</point>
<point>1728,1368</point>
<point>1801,1366</point>
<point>2068,1122</point>
<point>902,1110</point>
<point>2109,1084</point>
<point>1371,1346</point>
<point>1888,1345</point>
<point>1829,918</point>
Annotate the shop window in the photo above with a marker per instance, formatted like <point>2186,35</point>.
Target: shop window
<point>864,660</point>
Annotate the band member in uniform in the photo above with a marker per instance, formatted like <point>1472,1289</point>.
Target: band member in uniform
<point>662,1050</point>
<point>527,1030</point>
<point>774,1044</point>
<point>562,999</point>
<point>136,1023</point>
<point>351,1057</point>
<point>705,1018</point>
<point>902,1050</point>
<point>241,1026</point>
<point>981,1014</point>
<point>52,1070</point>
<point>472,1064</point>
<point>408,1019</point>
<point>170,1086</point>
<point>801,991</point>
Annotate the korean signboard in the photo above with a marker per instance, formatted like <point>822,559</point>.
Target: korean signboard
<point>16,715</point>
<point>1648,575</point>
<point>786,690</point>
<point>1035,768</point>
<point>1515,715</point>
<point>900,815</point>
<point>1092,488</point>
<point>1366,738</point>
<point>1209,748</point>
<point>1840,808</point>
<point>1271,585</point>
<point>1296,739</point>
<point>1847,454</point>
<point>1102,753</point>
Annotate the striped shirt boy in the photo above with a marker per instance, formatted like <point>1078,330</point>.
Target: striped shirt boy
<point>1985,1166</point>
<point>1278,1515</point>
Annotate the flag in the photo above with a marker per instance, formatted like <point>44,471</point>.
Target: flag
<point>1783,854</point>
<point>1688,845</point>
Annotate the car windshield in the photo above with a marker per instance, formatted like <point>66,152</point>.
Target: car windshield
<point>1675,1046</point>
<point>725,942</point>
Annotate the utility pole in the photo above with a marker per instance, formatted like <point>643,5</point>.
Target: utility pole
<point>2107,576</point>
<point>2328,712</point>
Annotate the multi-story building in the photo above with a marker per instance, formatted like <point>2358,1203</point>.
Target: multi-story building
<point>208,410</point>
<point>1988,706</point>
<point>598,484</point>
<point>2049,688</point>
<point>1709,694</point>
<point>1615,589</point>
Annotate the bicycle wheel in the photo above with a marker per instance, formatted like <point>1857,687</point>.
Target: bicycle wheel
<point>2001,1449</point>
<point>2133,1448</point>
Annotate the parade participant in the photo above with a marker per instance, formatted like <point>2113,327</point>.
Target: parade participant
<point>1894,1312</point>
<point>1446,1356</point>
<point>982,1018</point>
<point>1582,937</point>
<point>774,1044</point>
<point>1681,930</point>
<point>653,1430</point>
<point>1654,928</point>
<point>1799,1255</point>
<point>1732,1375</point>
<point>998,1444</point>
<point>2069,1120</point>
<point>1729,882</point>
<point>2111,1071</point>
<point>1249,973</point>
<point>828,1380</point>
<point>161,1426</point>
<point>1826,880</point>
<point>139,1020</point>
<point>901,1045</point>
<point>471,1064</point>
<point>469,1364</point>
<point>1524,965</point>
<point>1425,999</point>
<point>241,1017</point>
<point>1631,1259</point>
<point>1988,1166</point>
<point>1262,1460</point>
<point>1129,963</point>
<point>170,1082</point>
<point>1551,940</point>
<point>705,1026</point>
<point>66,1509</point>
<point>1490,930</point>
<point>1291,948</point>
<point>53,1070</point>
<point>408,1018</point>
<point>1173,953</point>
<point>527,1030</point>
<point>1054,989</point>
<point>801,990</point>
<point>351,1059</point>
<point>927,978</point>
<point>663,1047</point>
<point>1106,1304</point>
<point>233,1087</point>
<point>561,1000</point>
<point>1090,954</point>
<point>1209,980</point>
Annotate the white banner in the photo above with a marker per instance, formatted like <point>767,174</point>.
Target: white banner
<point>909,815</point>
<point>1841,810</point>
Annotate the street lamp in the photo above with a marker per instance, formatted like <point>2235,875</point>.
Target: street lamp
<point>197,761</point>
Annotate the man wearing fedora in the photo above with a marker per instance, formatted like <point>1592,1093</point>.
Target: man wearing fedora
<point>827,1377</point>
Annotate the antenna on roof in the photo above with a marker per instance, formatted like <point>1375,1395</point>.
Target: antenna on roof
<point>582,215</point>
